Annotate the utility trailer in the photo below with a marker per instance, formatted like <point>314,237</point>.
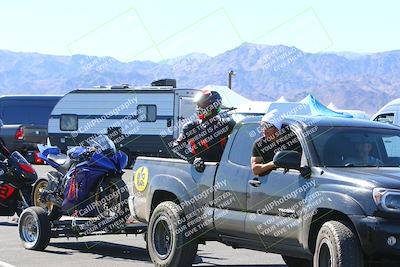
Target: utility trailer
<point>36,230</point>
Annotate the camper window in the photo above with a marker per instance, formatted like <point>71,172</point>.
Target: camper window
<point>147,113</point>
<point>69,122</point>
<point>385,118</point>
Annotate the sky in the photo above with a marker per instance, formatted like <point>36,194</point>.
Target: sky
<point>161,29</point>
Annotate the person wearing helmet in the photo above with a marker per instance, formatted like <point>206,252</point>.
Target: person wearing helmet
<point>204,138</point>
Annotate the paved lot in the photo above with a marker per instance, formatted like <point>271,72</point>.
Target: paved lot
<point>115,250</point>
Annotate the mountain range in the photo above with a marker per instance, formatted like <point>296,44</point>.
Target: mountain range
<point>263,72</point>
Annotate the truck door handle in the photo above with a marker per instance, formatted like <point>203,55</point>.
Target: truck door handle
<point>287,213</point>
<point>254,182</point>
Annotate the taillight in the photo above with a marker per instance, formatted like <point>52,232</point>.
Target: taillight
<point>19,135</point>
<point>37,160</point>
<point>27,168</point>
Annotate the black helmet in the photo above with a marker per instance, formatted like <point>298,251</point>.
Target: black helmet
<point>208,103</point>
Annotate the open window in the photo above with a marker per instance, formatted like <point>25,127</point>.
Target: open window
<point>147,113</point>
<point>242,146</point>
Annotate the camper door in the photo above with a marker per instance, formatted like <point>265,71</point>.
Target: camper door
<point>187,111</point>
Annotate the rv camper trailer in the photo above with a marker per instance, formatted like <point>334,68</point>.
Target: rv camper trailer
<point>389,113</point>
<point>140,120</point>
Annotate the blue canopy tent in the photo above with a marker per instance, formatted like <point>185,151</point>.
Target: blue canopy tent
<point>318,109</point>
<point>308,106</point>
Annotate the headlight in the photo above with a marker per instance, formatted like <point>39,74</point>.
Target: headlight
<point>387,199</point>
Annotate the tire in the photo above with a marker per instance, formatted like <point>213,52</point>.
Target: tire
<point>53,212</point>
<point>119,206</point>
<point>337,245</point>
<point>167,246</point>
<point>34,229</point>
<point>131,157</point>
<point>296,262</point>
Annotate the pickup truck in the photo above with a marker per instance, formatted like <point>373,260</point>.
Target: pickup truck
<point>23,122</point>
<point>334,203</point>
<point>22,138</point>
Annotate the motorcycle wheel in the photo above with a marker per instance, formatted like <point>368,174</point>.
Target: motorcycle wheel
<point>112,206</point>
<point>53,212</point>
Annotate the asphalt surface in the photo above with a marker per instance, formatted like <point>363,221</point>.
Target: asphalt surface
<point>115,250</point>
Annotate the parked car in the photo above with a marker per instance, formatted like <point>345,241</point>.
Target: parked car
<point>23,122</point>
<point>319,206</point>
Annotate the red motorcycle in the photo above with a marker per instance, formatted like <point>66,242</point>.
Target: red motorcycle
<point>16,179</point>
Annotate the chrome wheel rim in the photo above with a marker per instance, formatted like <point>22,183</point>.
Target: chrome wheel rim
<point>29,229</point>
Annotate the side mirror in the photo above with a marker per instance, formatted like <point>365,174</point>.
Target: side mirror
<point>287,159</point>
<point>305,171</point>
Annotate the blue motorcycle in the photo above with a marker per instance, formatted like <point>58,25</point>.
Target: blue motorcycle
<point>86,182</point>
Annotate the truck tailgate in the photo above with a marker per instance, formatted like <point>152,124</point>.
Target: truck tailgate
<point>35,134</point>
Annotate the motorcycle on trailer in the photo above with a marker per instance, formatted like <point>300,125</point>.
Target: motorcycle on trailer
<point>87,182</point>
<point>16,179</point>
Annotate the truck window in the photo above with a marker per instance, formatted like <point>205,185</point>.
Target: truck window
<point>356,146</point>
<point>69,122</point>
<point>392,146</point>
<point>186,107</point>
<point>243,144</point>
<point>385,118</point>
<point>147,113</point>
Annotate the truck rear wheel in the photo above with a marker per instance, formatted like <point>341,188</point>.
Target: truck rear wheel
<point>167,243</point>
<point>296,262</point>
<point>337,245</point>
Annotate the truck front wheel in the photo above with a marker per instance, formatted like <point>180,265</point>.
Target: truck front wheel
<point>337,245</point>
<point>167,243</point>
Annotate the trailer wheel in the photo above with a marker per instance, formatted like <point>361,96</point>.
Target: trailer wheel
<point>296,262</point>
<point>34,228</point>
<point>53,212</point>
<point>168,246</point>
<point>337,245</point>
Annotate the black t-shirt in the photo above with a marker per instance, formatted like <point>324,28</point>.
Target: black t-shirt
<point>266,148</point>
<point>205,139</point>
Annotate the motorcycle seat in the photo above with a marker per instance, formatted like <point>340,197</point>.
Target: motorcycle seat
<point>62,160</point>
<point>59,159</point>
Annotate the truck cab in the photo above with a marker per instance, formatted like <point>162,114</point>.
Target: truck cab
<point>322,204</point>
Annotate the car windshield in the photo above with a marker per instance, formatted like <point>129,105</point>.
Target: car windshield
<point>357,147</point>
<point>103,144</point>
